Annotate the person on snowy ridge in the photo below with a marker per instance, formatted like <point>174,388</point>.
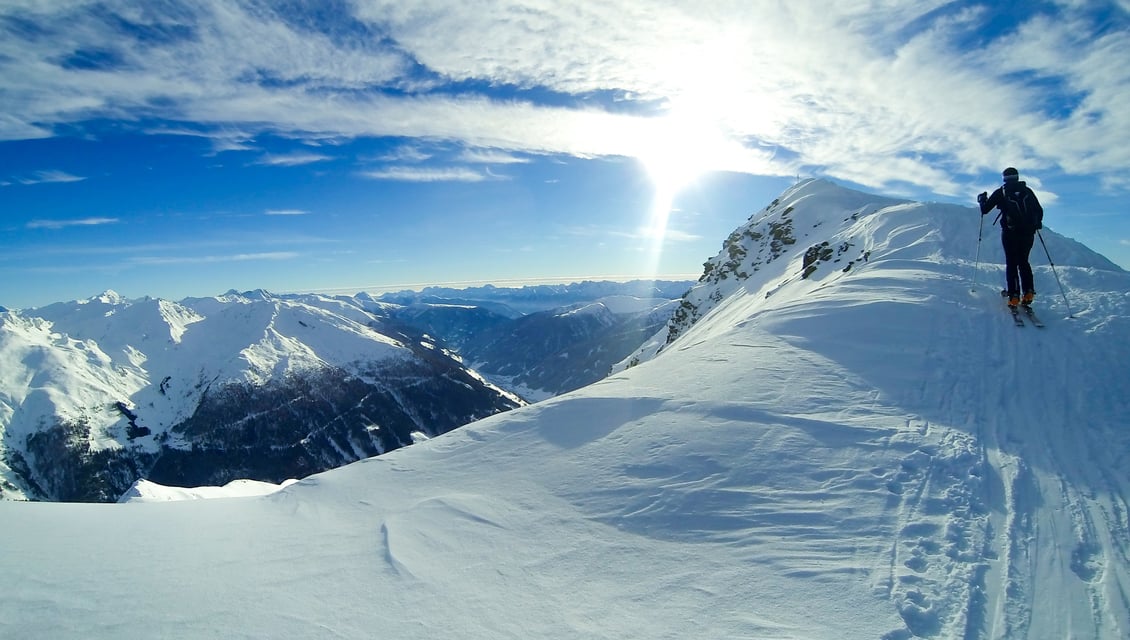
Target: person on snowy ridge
<point>1020,216</point>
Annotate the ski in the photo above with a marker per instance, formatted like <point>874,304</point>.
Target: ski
<point>1016,316</point>
<point>1014,311</point>
<point>1032,316</point>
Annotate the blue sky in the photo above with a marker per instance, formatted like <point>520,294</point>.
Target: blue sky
<point>178,149</point>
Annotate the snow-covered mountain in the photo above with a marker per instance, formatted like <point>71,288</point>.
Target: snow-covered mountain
<point>98,393</point>
<point>867,449</point>
<point>544,353</point>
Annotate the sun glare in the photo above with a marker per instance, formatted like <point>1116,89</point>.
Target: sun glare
<point>691,138</point>
<point>680,151</point>
<point>679,148</point>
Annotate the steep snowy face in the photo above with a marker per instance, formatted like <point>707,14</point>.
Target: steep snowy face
<point>97,393</point>
<point>818,235</point>
<point>811,229</point>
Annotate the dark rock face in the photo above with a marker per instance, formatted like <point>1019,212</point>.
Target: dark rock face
<point>289,428</point>
<point>61,466</point>
<point>306,424</point>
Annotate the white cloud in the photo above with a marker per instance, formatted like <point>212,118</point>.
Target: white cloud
<point>490,156</point>
<point>225,139</point>
<point>422,174</point>
<point>406,153</point>
<point>44,177</point>
<point>61,224</point>
<point>291,159</point>
<point>879,92</point>
<point>286,212</point>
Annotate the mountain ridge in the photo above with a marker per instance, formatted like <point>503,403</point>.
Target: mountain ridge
<point>762,256</point>
<point>877,453</point>
<point>109,383</point>
<point>116,388</point>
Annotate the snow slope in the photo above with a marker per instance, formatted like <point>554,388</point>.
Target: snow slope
<point>231,337</point>
<point>870,453</point>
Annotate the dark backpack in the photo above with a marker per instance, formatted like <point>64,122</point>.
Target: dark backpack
<point>1020,211</point>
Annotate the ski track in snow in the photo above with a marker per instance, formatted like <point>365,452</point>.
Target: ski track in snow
<point>1043,476</point>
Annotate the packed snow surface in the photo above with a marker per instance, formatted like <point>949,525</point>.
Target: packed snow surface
<point>870,453</point>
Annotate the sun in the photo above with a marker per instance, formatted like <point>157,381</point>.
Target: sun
<point>679,150</point>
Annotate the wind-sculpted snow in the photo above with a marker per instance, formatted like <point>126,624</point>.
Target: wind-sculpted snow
<point>871,453</point>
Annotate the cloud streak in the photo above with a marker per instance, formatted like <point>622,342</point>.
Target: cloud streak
<point>291,159</point>
<point>46,177</point>
<point>62,224</point>
<point>423,174</point>
<point>883,92</point>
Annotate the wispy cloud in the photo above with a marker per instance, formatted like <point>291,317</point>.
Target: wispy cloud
<point>79,222</point>
<point>490,156</point>
<point>406,153</point>
<point>884,92</point>
<point>224,139</point>
<point>286,212</point>
<point>45,177</point>
<point>291,159</point>
<point>423,174</point>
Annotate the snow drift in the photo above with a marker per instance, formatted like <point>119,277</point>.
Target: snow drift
<point>867,449</point>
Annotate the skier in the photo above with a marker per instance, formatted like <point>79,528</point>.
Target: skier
<point>1020,216</point>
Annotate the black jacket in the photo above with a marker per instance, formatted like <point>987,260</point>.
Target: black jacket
<point>1020,209</point>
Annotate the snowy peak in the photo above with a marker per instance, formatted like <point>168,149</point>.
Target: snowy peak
<point>818,235</point>
<point>810,231</point>
<point>108,297</point>
<point>246,296</point>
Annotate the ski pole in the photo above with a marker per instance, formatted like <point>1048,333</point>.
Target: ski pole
<point>977,262</point>
<point>1049,255</point>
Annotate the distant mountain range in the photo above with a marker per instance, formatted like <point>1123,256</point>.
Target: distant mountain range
<point>101,392</point>
<point>547,351</point>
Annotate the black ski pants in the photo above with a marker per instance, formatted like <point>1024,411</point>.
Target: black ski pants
<point>1017,269</point>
